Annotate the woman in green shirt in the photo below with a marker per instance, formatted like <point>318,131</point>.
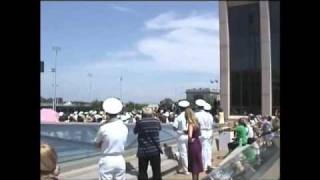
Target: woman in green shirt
<point>241,135</point>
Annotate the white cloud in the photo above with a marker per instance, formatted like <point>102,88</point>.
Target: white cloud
<point>170,20</point>
<point>122,55</point>
<point>122,9</point>
<point>189,43</point>
<point>182,43</point>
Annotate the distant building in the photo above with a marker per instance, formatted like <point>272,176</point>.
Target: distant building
<point>49,100</point>
<point>206,94</point>
<point>67,107</point>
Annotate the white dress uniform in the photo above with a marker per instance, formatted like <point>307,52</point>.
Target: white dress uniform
<point>182,139</point>
<point>206,128</point>
<point>113,137</point>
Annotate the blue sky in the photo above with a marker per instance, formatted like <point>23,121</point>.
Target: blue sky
<point>160,48</point>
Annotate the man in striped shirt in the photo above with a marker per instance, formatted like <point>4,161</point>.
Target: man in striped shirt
<point>148,144</point>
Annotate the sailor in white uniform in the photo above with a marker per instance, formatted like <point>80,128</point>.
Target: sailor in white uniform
<point>207,107</point>
<point>180,126</point>
<point>111,139</point>
<point>206,129</point>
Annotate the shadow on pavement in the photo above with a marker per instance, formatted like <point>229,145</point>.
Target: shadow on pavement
<point>130,169</point>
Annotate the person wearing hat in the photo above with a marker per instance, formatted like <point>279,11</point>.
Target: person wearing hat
<point>206,128</point>
<point>61,117</point>
<point>180,126</point>
<point>75,116</point>
<point>80,117</point>
<point>207,107</point>
<point>87,118</point>
<point>111,139</point>
<point>148,144</point>
<point>171,117</point>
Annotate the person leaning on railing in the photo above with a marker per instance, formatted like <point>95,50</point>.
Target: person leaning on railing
<point>241,135</point>
<point>276,124</point>
<point>48,163</point>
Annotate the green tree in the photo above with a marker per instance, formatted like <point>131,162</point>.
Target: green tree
<point>129,106</point>
<point>96,105</point>
<point>166,104</point>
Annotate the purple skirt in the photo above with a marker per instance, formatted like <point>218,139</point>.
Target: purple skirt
<point>195,156</point>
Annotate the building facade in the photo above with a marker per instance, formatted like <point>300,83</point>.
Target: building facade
<point>206,94</point>
<point>249,57</point>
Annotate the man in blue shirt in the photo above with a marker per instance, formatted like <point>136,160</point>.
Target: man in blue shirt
<point>148,144</point>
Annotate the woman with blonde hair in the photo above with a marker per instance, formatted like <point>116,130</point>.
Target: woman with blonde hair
<point>48,163</point>
<point>195,165</point>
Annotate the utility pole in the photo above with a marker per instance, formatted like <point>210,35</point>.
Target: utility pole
<point>56,49</point>
<point>121,87</point>
<point>90,85</point>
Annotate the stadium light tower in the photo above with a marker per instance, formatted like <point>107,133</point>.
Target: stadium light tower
<point>56,49</point>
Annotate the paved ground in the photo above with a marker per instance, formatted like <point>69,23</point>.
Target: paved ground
<point>168,168</point>
<point>273,172</point>
<point>217,158</point>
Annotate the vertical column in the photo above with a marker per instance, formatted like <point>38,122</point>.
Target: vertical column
<point>266,78</point>
<point>224,59</point>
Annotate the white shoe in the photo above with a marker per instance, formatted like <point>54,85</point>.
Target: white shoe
<point>186,173</point>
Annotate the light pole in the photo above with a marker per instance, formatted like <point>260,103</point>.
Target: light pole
<point>121,88</point>
<point>53,71</point>
<point>56,49</point>
<point>90,85</point>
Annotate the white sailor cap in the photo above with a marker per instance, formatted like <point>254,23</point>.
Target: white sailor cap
<point>184,103</point>
<point>76,112</point>
<point>81,112</point>
<point>207,107</point>
<point>200,102</point>
<point>60,113</point>
<point>112,106</point>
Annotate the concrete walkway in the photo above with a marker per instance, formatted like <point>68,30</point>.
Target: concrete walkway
<point>217,158</point>
<point>91,172</point>
<point>168,168</point>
